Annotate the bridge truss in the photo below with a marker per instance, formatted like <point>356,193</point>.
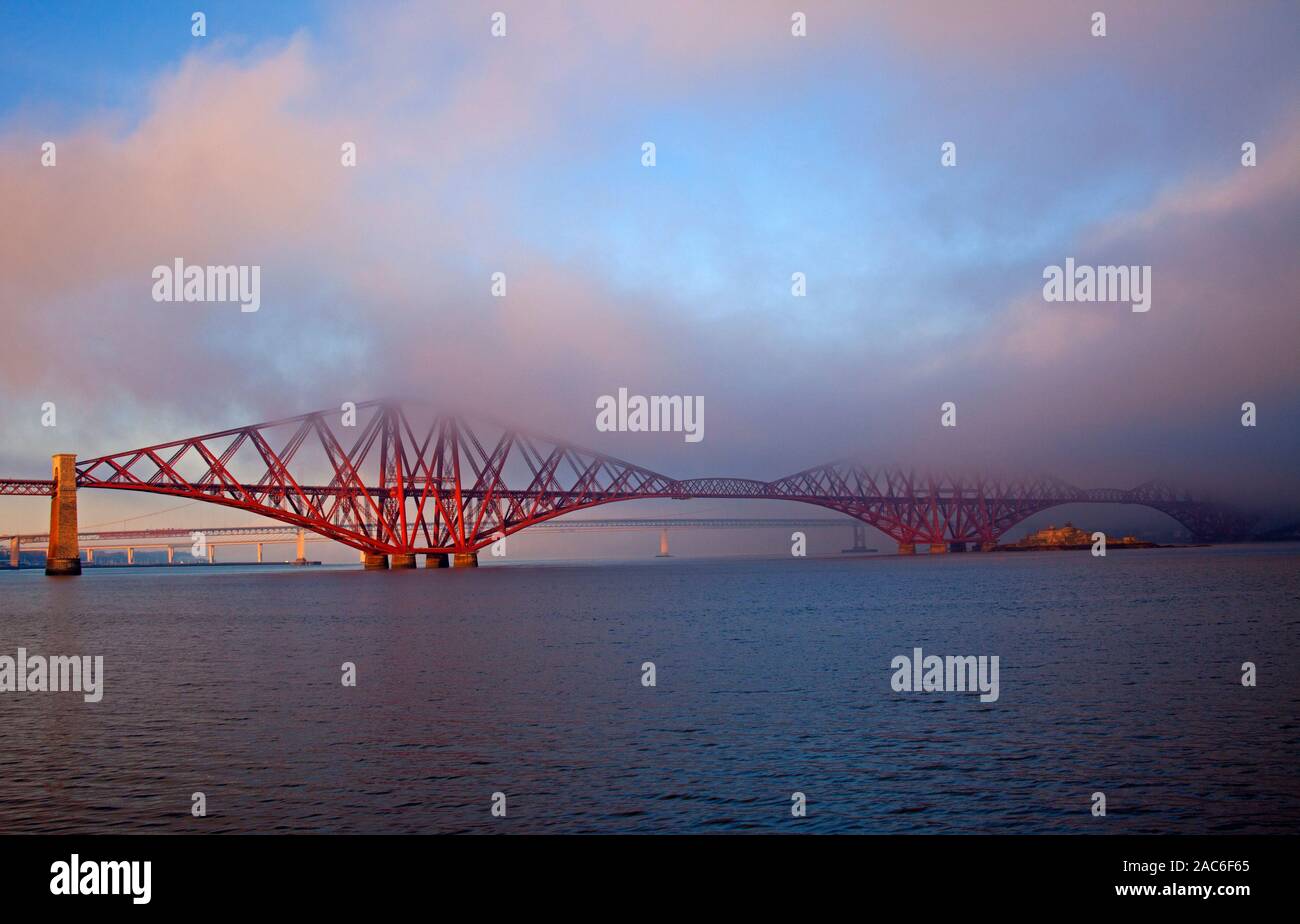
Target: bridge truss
<point>404,479</point>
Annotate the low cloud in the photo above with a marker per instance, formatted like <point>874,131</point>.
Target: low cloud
<point>376,279</point>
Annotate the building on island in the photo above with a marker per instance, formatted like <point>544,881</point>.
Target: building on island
<point>1070,536</point>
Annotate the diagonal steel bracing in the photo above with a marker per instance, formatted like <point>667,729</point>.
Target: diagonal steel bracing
<point>405,479</point>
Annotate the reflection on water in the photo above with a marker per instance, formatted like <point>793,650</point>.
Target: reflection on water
<point>1119,675</point>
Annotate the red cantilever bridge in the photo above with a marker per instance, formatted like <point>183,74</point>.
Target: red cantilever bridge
<point>398,480</point>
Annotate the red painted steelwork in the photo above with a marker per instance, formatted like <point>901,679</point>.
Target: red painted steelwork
<point>413,482</point>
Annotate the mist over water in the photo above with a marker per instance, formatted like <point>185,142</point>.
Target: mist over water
<point>1119,675</point>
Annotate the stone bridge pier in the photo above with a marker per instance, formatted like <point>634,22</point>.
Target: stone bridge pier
<point>63,557</point>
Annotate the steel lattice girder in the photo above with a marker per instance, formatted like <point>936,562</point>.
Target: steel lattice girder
<point>442,487</point>
<point>26,487</point>
<point>407,480</point>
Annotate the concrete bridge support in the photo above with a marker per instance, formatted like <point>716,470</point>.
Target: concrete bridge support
<point>938,548</point>
<point>907,548</point>
<point>988,546</point>
<point>14,559</point>
<point>171,555</point>
<point>90,556</point>
<point>859,540</point>
<point>259,553</point>
<point>401,560</point>
<point>63,557</point>
<point>466,559</point>
<point>373,561</point>
<point>130,555</point>
<point>436,560</point>
<point>301,559</point>
<point>212,554</point>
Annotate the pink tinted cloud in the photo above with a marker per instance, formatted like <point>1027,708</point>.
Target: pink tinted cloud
<point>238,162</point>
<point>219,171</point>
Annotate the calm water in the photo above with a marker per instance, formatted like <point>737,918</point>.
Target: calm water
<point>1120,675</point>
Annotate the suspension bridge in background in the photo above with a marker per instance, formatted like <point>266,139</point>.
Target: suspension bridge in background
<point>411,481</point>
<point>172,539</point>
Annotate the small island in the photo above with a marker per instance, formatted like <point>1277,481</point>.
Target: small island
<point>1070,538</point>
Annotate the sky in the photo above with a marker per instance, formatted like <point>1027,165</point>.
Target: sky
<point>775,154</point>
